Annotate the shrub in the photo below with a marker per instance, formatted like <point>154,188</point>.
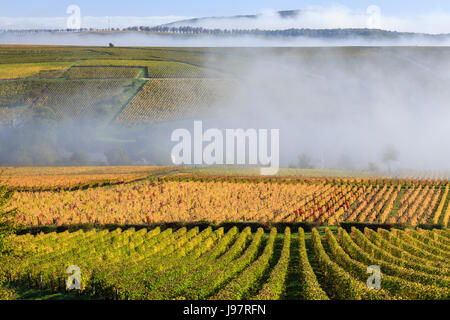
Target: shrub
<point>117,157</point>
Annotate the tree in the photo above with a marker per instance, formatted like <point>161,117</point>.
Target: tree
<point>292,165</point>
<point>117,157</point>
<point>43,154</point>
<point>374,167</point>
<point>80,158</point>
<point>21,157</point>
<point>44,115</point>
<point>304,162</point>
<point>345,163</point>
<point>390,154</point>
<point>111,45</point>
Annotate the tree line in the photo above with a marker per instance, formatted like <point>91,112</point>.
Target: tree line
<point>293,32</point>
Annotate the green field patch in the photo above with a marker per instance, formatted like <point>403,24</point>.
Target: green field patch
<point>19,92</point>
<point>48,74</point>
<point>106,72</point>
<point>158,69</point>
<point>24,70</point>
<point>78,99</point>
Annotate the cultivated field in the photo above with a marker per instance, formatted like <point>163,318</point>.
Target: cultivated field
<point>188,199</point>
<point>68,99</point>
<point>173,99</point>
<point>153,231</point>
<point>132,86</point>
<point>104,72</point>
<point>66,178</point>
<point>99,77</point>
<point>218,264</point>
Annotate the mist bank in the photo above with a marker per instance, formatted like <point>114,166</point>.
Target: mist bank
<point>386,109</point>
<point>328,17</point>
<point>142,38</point>
<point>346,110</point>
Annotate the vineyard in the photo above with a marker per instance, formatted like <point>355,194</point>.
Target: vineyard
<point>76,99</point>
<point>80,99</point>
<point>67,178</point>
<point>287,172</point>
<point>203,232</point>
<point>104,73</point>
<point>231,264</point>
<point>25,70</point>
<point>157,69</point>
<point>428,175</point>
<point>189,198</point>
<point>19,92</point>
<point>172,99</point>
<point>102,89</point>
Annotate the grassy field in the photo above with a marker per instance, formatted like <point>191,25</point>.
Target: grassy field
<point>106,72</point>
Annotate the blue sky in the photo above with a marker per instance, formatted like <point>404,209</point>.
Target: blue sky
<point>53,8</point>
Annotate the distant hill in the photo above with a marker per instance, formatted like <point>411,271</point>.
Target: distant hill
<point>197,21</point>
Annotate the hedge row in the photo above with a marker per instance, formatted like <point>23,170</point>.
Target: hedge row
<point>311,289</point>
<point>275,286</point>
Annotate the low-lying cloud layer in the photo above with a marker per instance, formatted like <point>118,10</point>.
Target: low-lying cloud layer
<point>334,17</point>
<point>130,39</point>
<point>342,107</point>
